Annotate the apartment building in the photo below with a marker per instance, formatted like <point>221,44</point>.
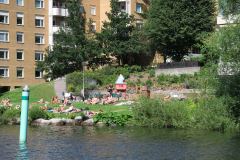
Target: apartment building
<point>27,28</point>
<point>23,40</point>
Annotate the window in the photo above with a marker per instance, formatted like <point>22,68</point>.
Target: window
<point>139,8</point>
<point>4,55</point>
<point>39,3</point>
<point>39,56</point>
<point>4,71</point>
<point>20,55</point>
<point>139,24</point>
<point>38,73</point>
<point>20,19</point>
<point>93,10</point>
<point>4,1</point>
<point>20,2</point>
<point>4,17</point>
<point>93,27</point>
<point>4,36</point>
<point>20,37</point>
<point>39,38</point>
<point>39,21</point>
<point>58,4</point>
<point>20,72</point>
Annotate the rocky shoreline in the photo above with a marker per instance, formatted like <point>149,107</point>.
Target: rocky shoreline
<point>77,121</point>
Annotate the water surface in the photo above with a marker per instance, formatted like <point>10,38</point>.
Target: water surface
<point>91,143</point>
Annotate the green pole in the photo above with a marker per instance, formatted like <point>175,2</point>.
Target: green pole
<point>24,115</point>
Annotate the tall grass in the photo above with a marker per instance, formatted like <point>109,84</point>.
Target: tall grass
<point>208,113</point>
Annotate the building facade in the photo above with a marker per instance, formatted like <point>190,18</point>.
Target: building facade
<point>27,28</point>
<point>23,40</point>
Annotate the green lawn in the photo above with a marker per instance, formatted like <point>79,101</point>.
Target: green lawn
<point>105,108</point>
<point>45,91</point>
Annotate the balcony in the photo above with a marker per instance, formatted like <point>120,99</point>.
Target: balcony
<point>60,12</point>
<point>55,29</point>
<point>223,21</point>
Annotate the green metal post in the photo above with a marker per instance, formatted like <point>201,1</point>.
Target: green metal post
<point>24,115</point>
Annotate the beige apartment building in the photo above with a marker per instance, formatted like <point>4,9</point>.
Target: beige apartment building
<point>27,28</point>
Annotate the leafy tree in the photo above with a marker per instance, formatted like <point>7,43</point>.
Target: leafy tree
<point>175,27</point>
<point>72,46</point>
<point>119,37</point>
<point>223,49</point>
<point>229,7</point>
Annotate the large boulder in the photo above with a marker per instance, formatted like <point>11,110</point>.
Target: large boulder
<point>58,122</point>
<point>88,122</point>
<point>69,122</point>
<point>40,122</point>
<point>78,120</point>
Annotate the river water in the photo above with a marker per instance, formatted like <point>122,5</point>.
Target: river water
<point>91,143</point>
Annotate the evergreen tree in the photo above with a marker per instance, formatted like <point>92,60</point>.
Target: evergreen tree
<point>119,37</point>
<point>175,27</point>
<point>72,46</point>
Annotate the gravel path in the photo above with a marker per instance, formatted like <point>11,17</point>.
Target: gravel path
<point>60,86</point>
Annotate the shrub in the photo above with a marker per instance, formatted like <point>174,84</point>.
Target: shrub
<point>2,109</point>
<point>10,114</point>
<point>149,83</point>
<point>155,113</point>
<point>204,113</point>
<point>112,118</point>
<point>36,112</point>
<point>151,73</point>
<point>212,114</point>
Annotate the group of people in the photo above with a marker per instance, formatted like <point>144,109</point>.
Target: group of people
<point>6,102</point>
<point>106,99</point>
<point>110,98</point>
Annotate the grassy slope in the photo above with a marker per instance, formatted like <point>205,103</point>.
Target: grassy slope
<point>105,108</point>
<point>45,91</point>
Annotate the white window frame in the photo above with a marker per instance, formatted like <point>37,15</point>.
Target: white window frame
<point>5,15</point>
<point>41,36</point>
<point>41,2</point>
<point>5,53</point>
<point>93,10</point>
<point>6,36</point>
<point>20,69</point>
<point>41,19</point>
<point>19,51</point>
<point>4,2</point>
<point>41,56</point>
<point>20,15</point>
<point>6,71</point>
<point>20,34</point>
<point>41,74</point>
<point>18,4</point>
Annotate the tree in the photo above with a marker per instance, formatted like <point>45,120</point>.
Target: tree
<point>229,7</point>
<point>119,37</point>
<point>175,27</point>
<point>72,46</point>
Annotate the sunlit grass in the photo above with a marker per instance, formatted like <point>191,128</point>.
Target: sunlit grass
<point>45,91</point>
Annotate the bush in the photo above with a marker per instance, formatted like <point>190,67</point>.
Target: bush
<point>151,73</point>
<point>105,76</point>
<point>36,112</point>
<point>205,113</point>
<point>2,109</point>
<point>212,114</point>
<point>112,118</point>
<point>10,114</point>
<point>155,113</point>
